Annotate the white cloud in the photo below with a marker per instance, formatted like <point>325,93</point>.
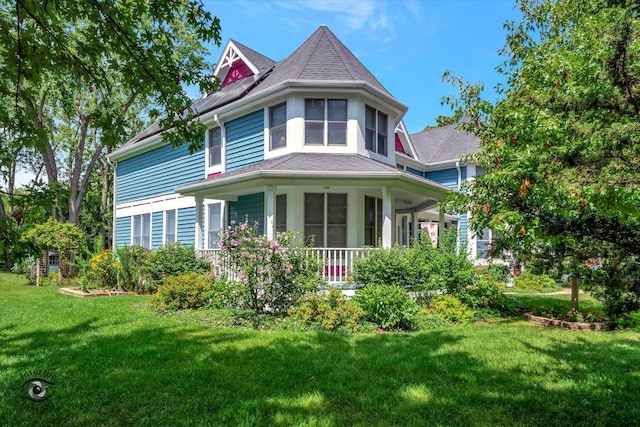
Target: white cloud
<point>362,16</point>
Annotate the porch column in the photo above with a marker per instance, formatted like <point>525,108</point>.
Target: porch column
<point>440,223</point>
<point>387,229</point>
<point>414,221</point>
<point>198,230</point>
<point>270,213</point>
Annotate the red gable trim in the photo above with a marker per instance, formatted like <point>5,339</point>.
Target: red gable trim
<point>399,146</point>
<point>238,71</point>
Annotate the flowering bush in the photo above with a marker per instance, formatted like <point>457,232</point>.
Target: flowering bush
<point>103,270</point>
<point>273,273</point>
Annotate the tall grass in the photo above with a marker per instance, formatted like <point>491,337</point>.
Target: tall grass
<point>114,363</point>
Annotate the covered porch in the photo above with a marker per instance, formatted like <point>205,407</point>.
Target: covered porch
<point>345,210</point>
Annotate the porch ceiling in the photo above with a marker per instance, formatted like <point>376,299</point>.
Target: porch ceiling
<point>335,170</point>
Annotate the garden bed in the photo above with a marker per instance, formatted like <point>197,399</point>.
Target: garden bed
<point>555,323</point>
<point>77,292</point>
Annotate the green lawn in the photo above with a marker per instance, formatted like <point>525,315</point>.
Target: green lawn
<point>114,363</point>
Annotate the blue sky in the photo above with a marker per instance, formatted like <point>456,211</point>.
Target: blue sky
<point>406,44</point>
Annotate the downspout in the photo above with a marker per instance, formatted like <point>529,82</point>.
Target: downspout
<point>458,242</point>
<point>114,245</point>
<point>223,160</point>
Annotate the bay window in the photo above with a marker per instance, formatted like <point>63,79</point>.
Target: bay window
<point>278,126</point>
<point>376,135</point>
<point>325,121</point>
<point>325,218</point>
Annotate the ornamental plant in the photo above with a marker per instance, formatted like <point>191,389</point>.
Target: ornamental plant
<point>104,269</point>
<point>273,273</point>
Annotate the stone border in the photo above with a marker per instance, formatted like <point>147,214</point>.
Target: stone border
<point>80,294</point>
<point>554,323</point>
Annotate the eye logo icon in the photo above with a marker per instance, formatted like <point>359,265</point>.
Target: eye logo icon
<point>37,389</point>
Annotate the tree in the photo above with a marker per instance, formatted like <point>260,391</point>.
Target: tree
<point>65,238</point>
<point>561,147</point>
<point>77,74</point>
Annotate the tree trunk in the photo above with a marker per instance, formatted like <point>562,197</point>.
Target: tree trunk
<point>574,292</point>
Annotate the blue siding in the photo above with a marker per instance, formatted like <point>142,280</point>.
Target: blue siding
<point>251,206</point>
<point>122,232</point>
<point>462,235</point>
<point>245,140</point>
<point>446,177</point>
<point>157,172</point>
<point>157,228</point>
<point>415,171</point>
<point>187,225</point>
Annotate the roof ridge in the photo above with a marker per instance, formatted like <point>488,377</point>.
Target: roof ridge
<point>338,51</point>
<point>304,66</point>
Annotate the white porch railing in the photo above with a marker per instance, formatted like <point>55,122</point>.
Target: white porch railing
<point>336,263</point>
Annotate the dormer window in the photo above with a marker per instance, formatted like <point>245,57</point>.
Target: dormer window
<point>278,126</point>
<point>215,146</point>
<point>325,121</point>
<point>375,131</point>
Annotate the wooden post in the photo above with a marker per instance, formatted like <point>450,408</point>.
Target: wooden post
<point>574,292</point>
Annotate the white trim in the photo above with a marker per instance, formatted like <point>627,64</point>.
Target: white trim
<point>154,204</point>
<point>231,54</point>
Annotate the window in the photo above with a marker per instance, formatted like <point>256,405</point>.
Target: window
<point>485,242</point>
<point>281,213</point>
<point>278,126</point>
<point>142,230</point>
<point>375,131</point>
<point>372,221</point>
<point>170,226</point>
<point>214,223</point>
<point>325,218</point>
<point>215,146</point>
<point>325,120</point>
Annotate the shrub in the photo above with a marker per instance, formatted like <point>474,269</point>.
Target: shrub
<point>533,282</point>
<point>273,273</point>
<point>191,291</point>
<point>390,307</point>
<point>26,266</point>
<point>393,266</point>
<point>449,308</point>
<point>103,270</point>
<point>447,268</point>
<point>172,259</point>
<point>420,266</point>
<point>494,272</point>
<point>329,311</point>
<point>132,261</point>
<point>617,285</point>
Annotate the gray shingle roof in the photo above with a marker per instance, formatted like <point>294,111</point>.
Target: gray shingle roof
<point>325,164</point>
<point>321,57</point>
<point>256,58</point>
<point>444,143</point>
